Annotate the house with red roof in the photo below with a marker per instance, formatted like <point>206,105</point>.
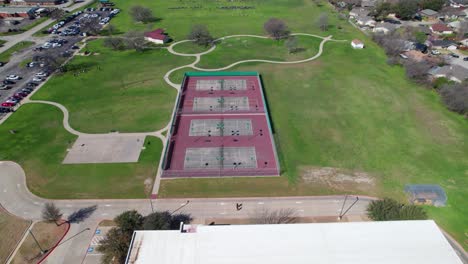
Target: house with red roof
<point>441,29</point>
<point>157,36</point>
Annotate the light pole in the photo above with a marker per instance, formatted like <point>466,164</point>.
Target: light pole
<point>183,205</point>
<point>341,215</point>
<point>37,242</point>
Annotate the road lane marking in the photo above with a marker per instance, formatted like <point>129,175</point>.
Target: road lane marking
<point>222,213</point>
<point>104,214</point>
<point>18,185</point>
<point>107,205</point>
<point>300,210</point>
<point>68,205</point>
<point>260,203</point>
<point>221,203</point>
<point>298,202</point>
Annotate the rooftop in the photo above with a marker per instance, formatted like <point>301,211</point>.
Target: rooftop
<point>402,242</point>
<point>428,12</point>
<point>440,27</point>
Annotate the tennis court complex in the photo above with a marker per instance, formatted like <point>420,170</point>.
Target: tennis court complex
<point>220,128</point>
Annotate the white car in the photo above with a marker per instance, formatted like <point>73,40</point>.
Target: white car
<point>13,77</point>
<point>435,52</point>
<point>37,79</point>
<point>41,74</point>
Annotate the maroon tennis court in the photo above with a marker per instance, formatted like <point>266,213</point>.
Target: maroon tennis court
<point>220,128</point>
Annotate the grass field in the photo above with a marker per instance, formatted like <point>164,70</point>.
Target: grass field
<point>11,231</point>
<point>47,234</point>
<point>5,56</point>
<point>40,144</point>
<point>122,91</point>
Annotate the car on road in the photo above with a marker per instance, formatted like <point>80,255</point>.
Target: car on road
<point>37,79</point>
<point>4,87</point>
<point>12,77</point>
<point>454,55</point>
<point>465,59</point>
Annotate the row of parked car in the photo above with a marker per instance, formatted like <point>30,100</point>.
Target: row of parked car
<point>62,22</point>
<point>13,100</point>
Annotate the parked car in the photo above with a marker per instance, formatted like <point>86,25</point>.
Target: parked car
<point>21,94</point>
<point>4,110</point>
<point>41,74</point>
<point>454,55</point>
<point>26,90</point>
<point>435,52</point>
<point>2,63</point>
<point>37,79</point>
<point>6,82</point>
<point>31,84</point>
<point>31,64</point>
<point>8,104</point>
<point>12,77</point>
<point>4,87</point>
<point>465,59</point>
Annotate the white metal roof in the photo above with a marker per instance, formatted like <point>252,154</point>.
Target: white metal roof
<point>402,242</point>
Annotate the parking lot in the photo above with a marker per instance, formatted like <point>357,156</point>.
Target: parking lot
<point>29,68</point>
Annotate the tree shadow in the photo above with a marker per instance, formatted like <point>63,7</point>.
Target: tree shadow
<point>81,214</point>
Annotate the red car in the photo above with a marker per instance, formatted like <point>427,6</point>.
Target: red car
<point>5,104</point>
<point>21,94</point>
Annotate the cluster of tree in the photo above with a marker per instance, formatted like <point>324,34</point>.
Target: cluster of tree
<point>56,13</point>
<point>52,213</point>
<point>142,14</point>
<point>130,40</point>
<point>117,241</point>
<point>200,35</point>
<point>406,9</point>
<point>276,28</point>
<point>389,209</point>
<point>455,97</point>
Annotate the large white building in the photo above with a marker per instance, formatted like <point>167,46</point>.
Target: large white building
<point>395,242</point>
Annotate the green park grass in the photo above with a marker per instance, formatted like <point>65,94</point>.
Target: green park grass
<point>121,91</point>
<point>39,146</point>
<point>5,56</point>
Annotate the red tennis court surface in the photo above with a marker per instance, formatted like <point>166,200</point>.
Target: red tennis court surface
<point>220,128</point>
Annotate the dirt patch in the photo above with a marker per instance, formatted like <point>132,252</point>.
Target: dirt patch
<point>338,179</point>
<point>47,235</point>
<point>12,229</point>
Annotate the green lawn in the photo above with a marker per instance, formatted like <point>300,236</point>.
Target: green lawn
<point>122,91</point>
<point>5,56</point>
<point>245,48</point>
<point>40,145</point>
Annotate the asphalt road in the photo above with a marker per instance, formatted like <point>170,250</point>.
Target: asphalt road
<point>17,199</point>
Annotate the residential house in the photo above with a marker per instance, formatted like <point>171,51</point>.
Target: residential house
<point>455,25</point>
<point>454,73</point>
<point>365,21</point>
<point>357,44</point>
<point>459,3</point>
<point>16,12</point>
<point>441,29</point>
<point>369,3</point>
<point>420,47</point>
<point>450,13</point>
<point>464,42</point>
<point>428,13</point>
<point>358,12</point>
<point>157,36</point>
<point>385,27</point>
<point>442,43</point>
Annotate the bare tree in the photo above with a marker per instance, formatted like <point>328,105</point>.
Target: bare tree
<point>282,216</point>
<point>455,97</point>
<point>135,40</point>
<point>417,71</point>
<point>51,213</point>
<point>115,43</point>
<point>291,44</point>
<point>142,14</point>
<point>111,29</point>
<point>463,30</point>
<point>200,35</point>
<point>91,26</point>
<point>276,28</point>
<point>49,59</point>
<point>57,13</point>
<point>322,22</point>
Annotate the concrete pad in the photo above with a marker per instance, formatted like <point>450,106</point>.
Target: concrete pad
<point>111,148</point>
